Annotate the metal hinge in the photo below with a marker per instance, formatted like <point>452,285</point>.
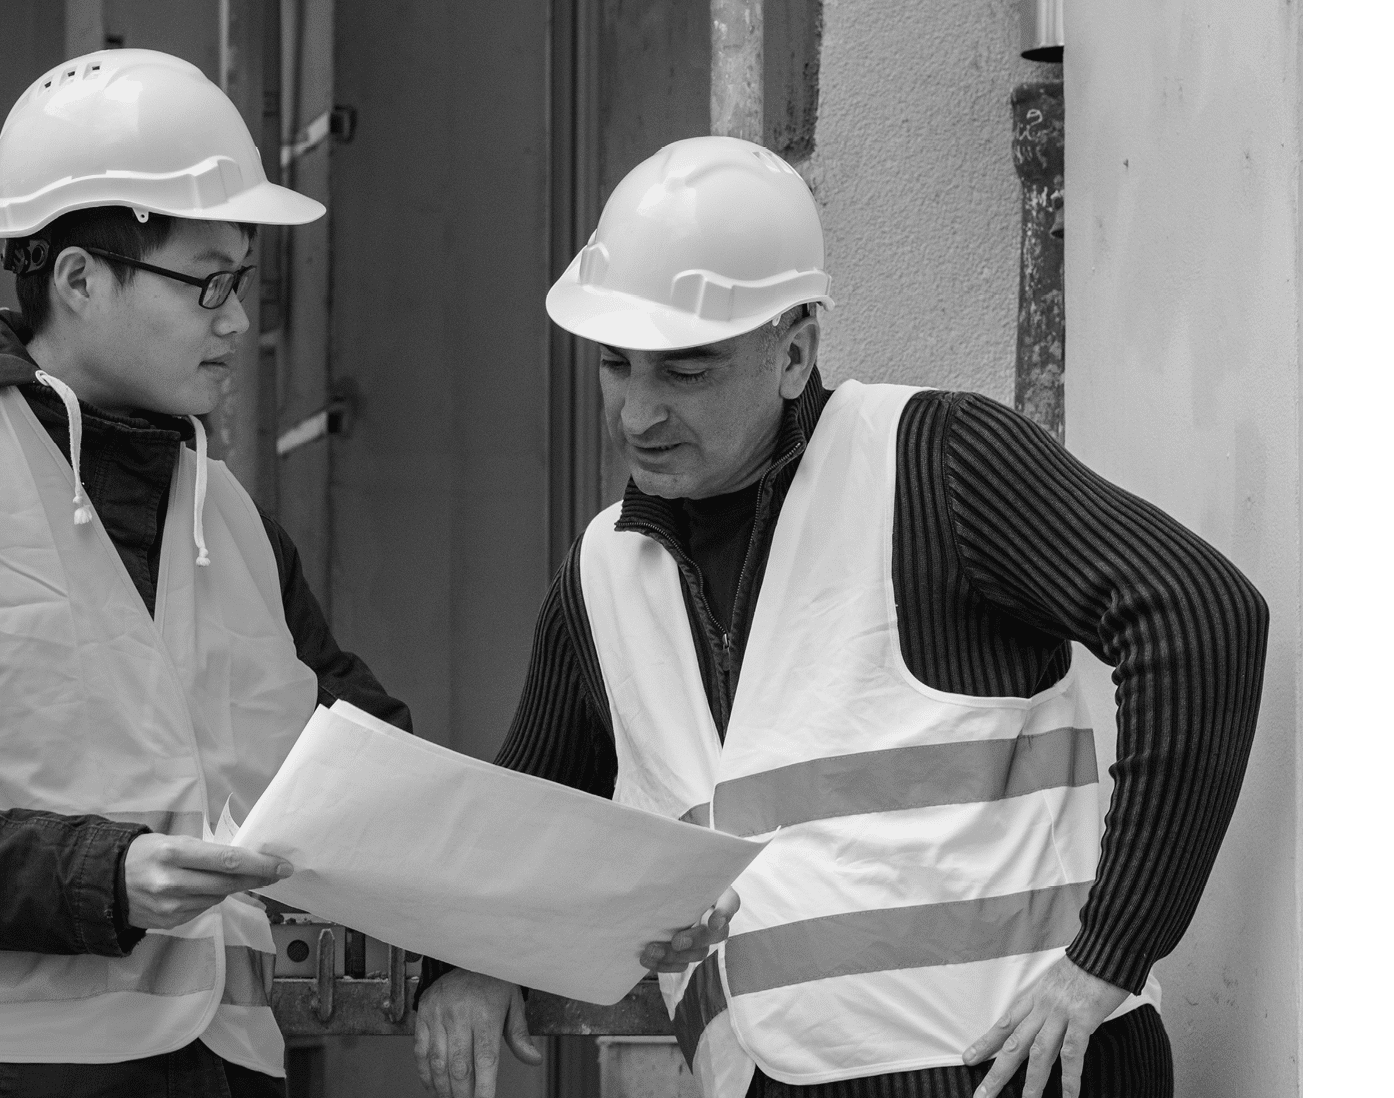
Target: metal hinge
<point>339,122</point>
<point>335,418</point>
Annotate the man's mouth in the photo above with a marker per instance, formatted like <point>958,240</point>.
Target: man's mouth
<point>653,453</point>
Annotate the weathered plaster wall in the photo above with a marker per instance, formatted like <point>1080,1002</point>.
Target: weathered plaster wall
<point>920,202</point>
<point>1181,282</point>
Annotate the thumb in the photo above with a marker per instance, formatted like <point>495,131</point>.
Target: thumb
<point>724,908</point>
<point>516,1031</point>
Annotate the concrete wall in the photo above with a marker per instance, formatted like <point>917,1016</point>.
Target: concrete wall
<point>912,169</point>
<point>1181,279</point>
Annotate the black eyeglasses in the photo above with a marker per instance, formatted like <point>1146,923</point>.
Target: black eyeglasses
<point>213,290</point>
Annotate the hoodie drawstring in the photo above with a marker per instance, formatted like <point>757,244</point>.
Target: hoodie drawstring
<point>200,486</point>
<point>84,512</point>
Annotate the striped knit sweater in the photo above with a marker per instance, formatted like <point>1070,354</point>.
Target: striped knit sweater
<point>1006,549</point>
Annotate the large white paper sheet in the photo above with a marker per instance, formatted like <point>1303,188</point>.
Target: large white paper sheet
<point>494,871</point>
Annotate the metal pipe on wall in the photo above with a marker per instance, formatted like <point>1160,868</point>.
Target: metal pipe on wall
<point>738,69</point>
<point>1038,149</point>
<point>1042,29</point>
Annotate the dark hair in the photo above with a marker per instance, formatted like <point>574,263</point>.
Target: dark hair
<point>114,228</point>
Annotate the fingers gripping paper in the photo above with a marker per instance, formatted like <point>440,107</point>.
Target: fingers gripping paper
<point>498,872</point>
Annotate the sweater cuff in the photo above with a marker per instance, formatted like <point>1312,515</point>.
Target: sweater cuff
<point>1110,963</point>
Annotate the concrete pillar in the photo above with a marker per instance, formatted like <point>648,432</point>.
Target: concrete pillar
<point>738,69</point>
<point>644,1067</point>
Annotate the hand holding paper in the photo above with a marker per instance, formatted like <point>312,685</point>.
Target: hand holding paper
<point>687,947</point>
<point>496,872</point>
<point>170,879</point>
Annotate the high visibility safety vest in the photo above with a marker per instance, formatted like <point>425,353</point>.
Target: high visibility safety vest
<point>105,710</point>
<point>931,851</point>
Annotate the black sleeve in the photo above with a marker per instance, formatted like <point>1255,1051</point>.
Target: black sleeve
<point>63,887</point>
<point>1059,547</point>
<point>342,675</point>
<point>561,729</point>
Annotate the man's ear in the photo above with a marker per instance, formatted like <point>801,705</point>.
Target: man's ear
<point>798,354</point>
<point>76,279</point>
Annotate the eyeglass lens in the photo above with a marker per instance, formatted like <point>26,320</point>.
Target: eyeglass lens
<point>218,286</point>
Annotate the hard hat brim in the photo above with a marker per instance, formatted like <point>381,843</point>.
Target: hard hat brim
<point>622,320</point>
<point>263,204</point>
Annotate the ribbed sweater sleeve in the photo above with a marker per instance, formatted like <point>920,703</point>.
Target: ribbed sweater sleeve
<point>561,729</point>
<point>1053,544</point>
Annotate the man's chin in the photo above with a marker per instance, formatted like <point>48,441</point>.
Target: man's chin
<point>664,485</point>
<point>183,407</point>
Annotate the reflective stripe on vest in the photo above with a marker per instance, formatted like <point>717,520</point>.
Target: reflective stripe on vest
<point>159,965</point>
<point>243,1029</point>
<point>933,851</point>
<point>249,975</point>
<point>195,705</point>
<point>906,777</point>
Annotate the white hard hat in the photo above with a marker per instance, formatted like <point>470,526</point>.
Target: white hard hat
<point>134,128</point>
<point>707,239</point>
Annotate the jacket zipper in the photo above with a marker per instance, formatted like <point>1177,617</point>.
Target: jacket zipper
<point>672,547</point>
<point>728,695</point>
<point>725,661</point>
<point>755,526</point>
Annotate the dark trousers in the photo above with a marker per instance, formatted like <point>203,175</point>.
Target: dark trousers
<point>1129,1057</point>
<point>193,1071</point>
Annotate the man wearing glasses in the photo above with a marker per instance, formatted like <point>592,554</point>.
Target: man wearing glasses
<point>159,647</point>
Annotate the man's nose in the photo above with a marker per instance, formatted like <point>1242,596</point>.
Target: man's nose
<point>644,407</point>
<point>231,318</point>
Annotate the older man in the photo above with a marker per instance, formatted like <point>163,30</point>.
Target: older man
<point>843,619</point>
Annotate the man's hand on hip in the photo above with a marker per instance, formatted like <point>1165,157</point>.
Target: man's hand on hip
<point>172,878</point>
<point>459,1023</point>
<point>689,946</point>
<point>1055,1018</point>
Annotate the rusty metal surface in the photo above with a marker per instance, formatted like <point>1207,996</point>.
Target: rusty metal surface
<point>358,1008</point>
<point>1038,150</point>
<point>368,1008</point>
<point>640,1013</point>
<point>793,42</point>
